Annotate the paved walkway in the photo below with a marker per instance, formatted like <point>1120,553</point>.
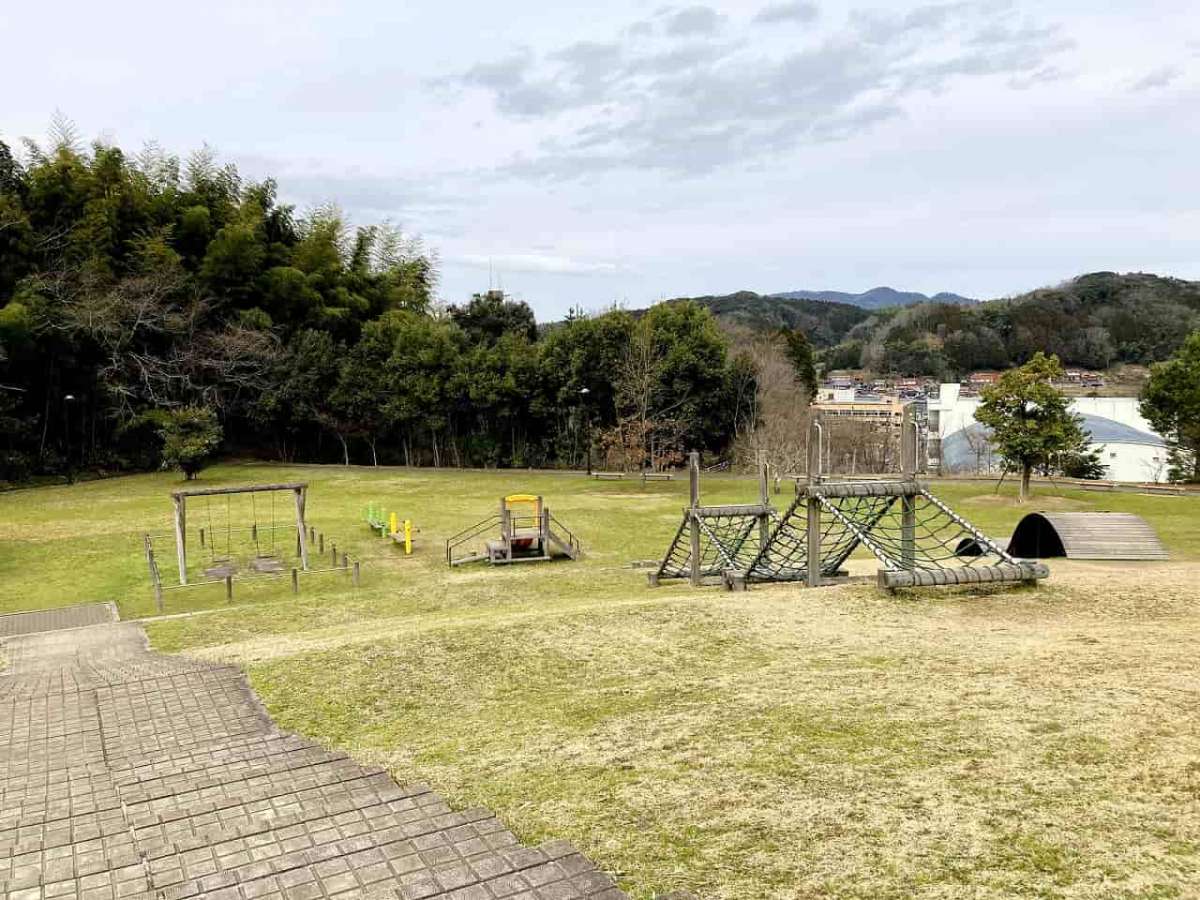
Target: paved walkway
<point>125,773</point>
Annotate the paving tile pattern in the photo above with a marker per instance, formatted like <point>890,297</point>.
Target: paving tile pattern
<point>56,619</point>
<point>124,773</point>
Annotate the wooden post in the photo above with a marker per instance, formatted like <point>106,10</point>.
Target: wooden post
<point>320,542</point>
<point>814,541</point>
<point>816,434</point>
<point>295,580</point>
<point>228,587</point>
<point>356,573</point>
<point>816,437</point>
<point>300,535</point>
<point>693,517</point>
<point>506,529</point>
<point>345,561</point>
<point>254,531</point>
<point>764,497</point>
<point>158,591</point>
<point>908,503</point>
<point>333,551</point>
<point>908,444</point>
<point>201,538</point>
<point>181,536</point>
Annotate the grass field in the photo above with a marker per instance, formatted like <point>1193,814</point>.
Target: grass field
<point>779,743</point>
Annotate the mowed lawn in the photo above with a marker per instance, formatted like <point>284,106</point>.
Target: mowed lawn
<point>778,743</point>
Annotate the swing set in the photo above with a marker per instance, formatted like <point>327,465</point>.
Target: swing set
<point>266,558</point>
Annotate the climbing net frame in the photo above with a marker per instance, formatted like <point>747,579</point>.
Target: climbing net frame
<point>917,539</point>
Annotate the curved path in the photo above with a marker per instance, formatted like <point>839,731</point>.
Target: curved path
<point>126,773</point>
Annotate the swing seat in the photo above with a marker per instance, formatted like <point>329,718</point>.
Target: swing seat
<point>223,569</point>
<point>267,564</point>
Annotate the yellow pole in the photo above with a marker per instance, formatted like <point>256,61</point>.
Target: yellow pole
<point>392,523</point>
<point>408,537</point>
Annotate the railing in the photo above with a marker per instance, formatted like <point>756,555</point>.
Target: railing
<point>570,536</point>
<point>468,534</point>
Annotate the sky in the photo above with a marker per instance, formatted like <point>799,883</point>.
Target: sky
<point>591,154</point>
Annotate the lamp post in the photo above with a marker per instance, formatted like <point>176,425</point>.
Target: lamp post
<point>68,401</point>
<point>587,426</point>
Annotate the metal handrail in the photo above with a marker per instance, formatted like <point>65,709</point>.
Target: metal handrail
<point>477,527</point>
<point>468,533</point>
<point>571,539</point>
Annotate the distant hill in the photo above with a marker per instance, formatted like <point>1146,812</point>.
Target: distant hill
<point>826,323</point>
<point>1093,321</point>
<point>875,298</point>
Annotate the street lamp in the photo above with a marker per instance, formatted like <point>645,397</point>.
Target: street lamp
<point>587,426</point>
<point>68,399</point>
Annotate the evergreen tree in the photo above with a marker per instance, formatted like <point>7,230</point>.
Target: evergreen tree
<point>1171,404</point>
<point>1030,420</point>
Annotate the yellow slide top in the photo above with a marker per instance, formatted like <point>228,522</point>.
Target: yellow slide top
<point>530,500</point>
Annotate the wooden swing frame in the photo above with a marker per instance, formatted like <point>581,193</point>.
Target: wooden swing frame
<point>298,489</point>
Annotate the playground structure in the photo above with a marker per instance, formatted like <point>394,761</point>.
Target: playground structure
<point>265,550</point>
<point>1086,535</point>
<point>916,538</point>
<point>714,540</point>
<point>390,526</point>
<point>526,533</point>
<point>262,562</point>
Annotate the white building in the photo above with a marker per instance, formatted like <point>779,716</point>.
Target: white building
<point>1129,447</point>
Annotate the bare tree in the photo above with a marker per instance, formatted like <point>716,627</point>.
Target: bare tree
<point>645,431</point>
<point>774,427</point>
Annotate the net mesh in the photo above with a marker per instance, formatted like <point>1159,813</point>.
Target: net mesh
<point>727,541</point>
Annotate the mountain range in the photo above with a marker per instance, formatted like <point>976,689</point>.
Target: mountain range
<point>876,298</point>
<point>1093,321</point>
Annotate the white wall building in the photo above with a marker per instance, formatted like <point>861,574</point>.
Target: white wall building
<point>1129,447</point>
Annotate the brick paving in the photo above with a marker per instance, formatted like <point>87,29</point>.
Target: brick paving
<point>126,773</point>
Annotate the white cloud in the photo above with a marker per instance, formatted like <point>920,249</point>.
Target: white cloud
<point>695,105</point>
<point>1158,78</point>
<point>982,147</point>
<point>537,262</point>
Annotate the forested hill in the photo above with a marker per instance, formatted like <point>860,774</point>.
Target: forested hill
<point>875,298</point>
<point>824,323</point>
<point>1093,321</point>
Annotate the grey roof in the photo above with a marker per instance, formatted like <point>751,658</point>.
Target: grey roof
<point>1109,431</point>
<point>957,452</point>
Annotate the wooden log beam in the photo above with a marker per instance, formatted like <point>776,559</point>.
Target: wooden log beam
<point>834,489</point>
<point>244,489</point>
<point>731,511</point>
<point>963,575</point>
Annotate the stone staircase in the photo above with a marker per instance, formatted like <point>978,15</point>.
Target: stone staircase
<point>125,773</point>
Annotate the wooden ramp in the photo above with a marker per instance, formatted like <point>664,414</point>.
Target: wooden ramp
<point>1086,535</point>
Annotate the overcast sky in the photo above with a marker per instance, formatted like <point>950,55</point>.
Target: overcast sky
<point>592,153</point>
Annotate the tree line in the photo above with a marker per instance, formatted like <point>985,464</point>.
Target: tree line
<point>148,301</point>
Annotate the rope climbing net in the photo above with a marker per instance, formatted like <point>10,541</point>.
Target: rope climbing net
<point>784,557</point>
<point>917,539</point>
<point>727,541</point>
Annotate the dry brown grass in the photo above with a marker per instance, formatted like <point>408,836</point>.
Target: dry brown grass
<point>787,743</point>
